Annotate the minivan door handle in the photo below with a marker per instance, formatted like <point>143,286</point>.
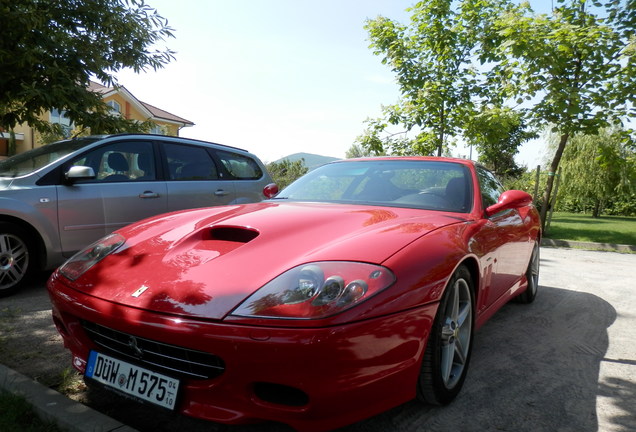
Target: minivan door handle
<point>149,194</point>
<point>221,192</point>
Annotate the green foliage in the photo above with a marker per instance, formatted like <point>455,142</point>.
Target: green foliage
<point>497,133</point>
<point>598,171</point>
<point>376,141</point>
<point>569,60</point>
<point>49,50</point>
<point>574,68</point>
<point>49,136</point>
<point>463,66</point>
<point>622,206</point>
<point>359,151</point>
<point>526,181</point>
<point>285,172</point>
<point>433,60</point>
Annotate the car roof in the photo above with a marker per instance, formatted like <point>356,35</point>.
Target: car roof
<point>167,137</point>
<point>410,158</point>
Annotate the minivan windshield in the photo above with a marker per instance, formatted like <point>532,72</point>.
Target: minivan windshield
<point>32,160</point>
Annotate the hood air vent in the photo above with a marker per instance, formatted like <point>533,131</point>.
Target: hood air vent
<point>233,234</point>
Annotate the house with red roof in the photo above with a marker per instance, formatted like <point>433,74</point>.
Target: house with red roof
<point>121,102</point>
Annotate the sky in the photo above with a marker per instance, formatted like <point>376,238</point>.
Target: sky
<point>277,77</point>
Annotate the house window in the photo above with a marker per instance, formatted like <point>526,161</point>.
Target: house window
<point>159,130</point>
<point>115,107</point>
<point>59,117</point>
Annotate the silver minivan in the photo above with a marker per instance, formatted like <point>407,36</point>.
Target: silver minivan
<point>58,198</point>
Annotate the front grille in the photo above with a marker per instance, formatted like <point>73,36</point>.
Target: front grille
<point>170,359</point>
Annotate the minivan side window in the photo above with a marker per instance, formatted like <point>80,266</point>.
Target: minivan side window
<point>120,161</point>
<point>240,167</point>
<point>189,163</point>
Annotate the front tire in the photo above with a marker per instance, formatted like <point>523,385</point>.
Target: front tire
<point>15,258</point>
<point>532,275</point>
<point>447,355</point>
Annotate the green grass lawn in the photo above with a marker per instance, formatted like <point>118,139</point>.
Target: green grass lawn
<point>581,227</point>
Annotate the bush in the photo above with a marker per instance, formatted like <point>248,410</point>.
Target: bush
<point>624,207</point>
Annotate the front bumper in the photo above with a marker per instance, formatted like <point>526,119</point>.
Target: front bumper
<point>310,378</point>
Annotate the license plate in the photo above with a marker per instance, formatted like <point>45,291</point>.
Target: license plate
<point>133,380</point>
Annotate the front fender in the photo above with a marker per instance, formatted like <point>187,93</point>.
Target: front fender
<point>425,266</point>
<point>41,219</point>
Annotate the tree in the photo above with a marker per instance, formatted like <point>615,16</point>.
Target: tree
<point>433,61</point>
<point>49,50</point>
<point>359,151</point>
<point>575,69</point>
<point>285,172</point>
<point>598,169</point>
<point>497,133</point>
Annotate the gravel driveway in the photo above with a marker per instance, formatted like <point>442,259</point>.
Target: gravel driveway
<point>567,362</point>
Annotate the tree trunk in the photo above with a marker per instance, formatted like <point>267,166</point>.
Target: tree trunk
<point>442,131</point>
<point>551,175</point>
<point>11,150</point>
<point>596,212</point>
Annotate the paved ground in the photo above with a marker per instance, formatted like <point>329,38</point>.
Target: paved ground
<point>565,363</point>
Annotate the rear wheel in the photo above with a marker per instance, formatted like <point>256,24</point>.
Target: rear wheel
<point>447,354</point>
<point>15,258</point>
<point>532,275</point>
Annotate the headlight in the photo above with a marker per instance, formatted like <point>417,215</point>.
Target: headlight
<point>316,290</point>
<point>79,263</point>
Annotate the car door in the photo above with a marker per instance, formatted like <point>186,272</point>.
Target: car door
<point>193,178</point>
<point>504,239</point>
<point>127,187</point>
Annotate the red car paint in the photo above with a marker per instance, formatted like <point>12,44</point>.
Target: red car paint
<point>194,268</point>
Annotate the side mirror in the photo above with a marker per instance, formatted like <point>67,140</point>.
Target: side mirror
<point>80,173</point>
<point>510,200</point>
<point>270,190</point>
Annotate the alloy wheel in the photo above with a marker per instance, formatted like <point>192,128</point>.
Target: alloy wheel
<point>14,260</point>
<point>456,333</point>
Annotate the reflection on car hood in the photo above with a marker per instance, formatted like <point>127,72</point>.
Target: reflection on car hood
<point>5,182</point>
<point>205,262</point>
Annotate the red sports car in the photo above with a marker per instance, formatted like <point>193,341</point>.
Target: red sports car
<point>356,289</point>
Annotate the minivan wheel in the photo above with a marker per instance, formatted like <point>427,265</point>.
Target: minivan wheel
<point>15,258</point>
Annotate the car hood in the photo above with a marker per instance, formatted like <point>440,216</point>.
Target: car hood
<point>205,262</point>
<point>5,182</point>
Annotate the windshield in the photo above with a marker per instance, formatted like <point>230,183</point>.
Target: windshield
<point>433,185</point>
<point>32,160</point>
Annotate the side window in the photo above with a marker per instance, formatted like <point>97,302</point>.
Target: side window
<point>121,161</point>
<point>240,167</point>
<point>189,163</point>
<point>491,189</point>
